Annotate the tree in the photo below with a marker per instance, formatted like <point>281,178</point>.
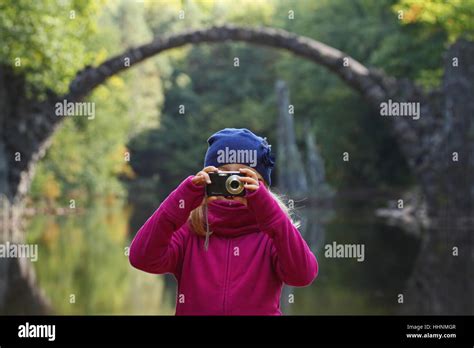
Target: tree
<point>50,45</point>
<point>454,16</point>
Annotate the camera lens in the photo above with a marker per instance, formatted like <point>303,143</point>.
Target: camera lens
<point>233,185</point>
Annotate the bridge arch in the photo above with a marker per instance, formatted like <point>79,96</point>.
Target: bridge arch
<point>372,84</point>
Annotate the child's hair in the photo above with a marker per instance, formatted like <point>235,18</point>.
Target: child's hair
<point>198,220</point>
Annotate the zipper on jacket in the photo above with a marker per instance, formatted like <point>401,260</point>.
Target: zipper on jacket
<point>226,275</point>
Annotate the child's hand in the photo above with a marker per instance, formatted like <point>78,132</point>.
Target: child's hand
<point>250,180</point>
<point>201,178</point>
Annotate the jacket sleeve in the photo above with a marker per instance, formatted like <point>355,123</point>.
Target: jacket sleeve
<point>293,261</point>
<point>158,246</point>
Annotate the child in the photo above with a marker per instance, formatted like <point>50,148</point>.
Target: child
<point>230,255</point>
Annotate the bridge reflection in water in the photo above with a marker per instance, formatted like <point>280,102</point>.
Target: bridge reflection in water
<point>83,268</point>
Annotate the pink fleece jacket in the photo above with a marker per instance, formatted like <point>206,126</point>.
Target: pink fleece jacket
<point>253,250</point>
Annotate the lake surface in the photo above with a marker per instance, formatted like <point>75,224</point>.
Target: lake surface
<point>83,265</point>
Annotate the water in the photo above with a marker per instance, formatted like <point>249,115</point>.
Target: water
<point>344,285</point>
<point>83,265</point>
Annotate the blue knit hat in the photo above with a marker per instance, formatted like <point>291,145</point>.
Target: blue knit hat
<point>239,145</point>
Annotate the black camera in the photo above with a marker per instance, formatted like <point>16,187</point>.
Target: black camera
<point>225,184</point>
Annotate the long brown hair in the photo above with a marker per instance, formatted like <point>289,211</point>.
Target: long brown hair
<point>198,223</point>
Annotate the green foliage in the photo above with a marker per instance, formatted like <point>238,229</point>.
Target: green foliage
<point>215,95</point>
<point>455,17</point>
<point>142,104</point>
<point>88,155</point>
<point>342,121</point>
<point>49,38</point>
<point>170,16</point>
